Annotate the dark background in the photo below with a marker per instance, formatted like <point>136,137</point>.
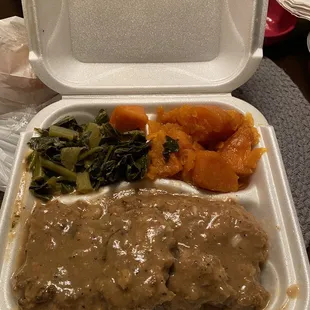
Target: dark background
<point>291,54</point>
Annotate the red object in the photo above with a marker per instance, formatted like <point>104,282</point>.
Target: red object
<point>279,23</point>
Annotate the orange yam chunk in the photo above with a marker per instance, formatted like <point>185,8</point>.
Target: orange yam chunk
<point>172,130</point>
<point>175,131</point>
<point>197,146</point>
<point>206,124</point>
<point>254,157</point>
<point>154,127</point>
<point>167,117</point>
<point>188,159</point>
<point>158,167</point>
<point>183,161</point>
<point>212,172</point>
<point>237,150</point>
<point>237,119</point>
<point>215,147</point>
<point>125,118</point>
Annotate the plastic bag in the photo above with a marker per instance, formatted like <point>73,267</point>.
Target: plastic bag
<point>19,86</point>
<point>22,94</point>
<point>11,125</point>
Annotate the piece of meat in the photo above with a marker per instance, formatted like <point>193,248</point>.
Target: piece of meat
<point>222,230</point>
<point>143,250</point>
<point>198,279</point>
<point>138,261</point>
<point>229,234</point>
<point>62,258</point>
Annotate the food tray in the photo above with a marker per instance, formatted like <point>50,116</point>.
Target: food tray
<point>165,53</point>
<point>267,197</point>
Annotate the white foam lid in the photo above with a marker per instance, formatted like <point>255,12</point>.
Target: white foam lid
<point>145,46</point>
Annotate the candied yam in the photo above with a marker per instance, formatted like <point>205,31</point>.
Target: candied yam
<point>188,158</point>
<point>172,130</point>
<point>237,150</point>
<point>153,126</point>
<point>236,120</point>
<point>171,126</point>
<point>200,131</point>
<point>197,146</point>
<point>158,167</point>
<point>178,161</point>
<point>248,119</point>
<point>212,172</point>
<point>167,117</point>
<point>126,118</point>
<point>201,121</point>
<point>254,157</point>
<point>175,132</point>
<point>206,124</point>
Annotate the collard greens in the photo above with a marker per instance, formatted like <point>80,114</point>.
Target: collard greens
<point>68,156</point>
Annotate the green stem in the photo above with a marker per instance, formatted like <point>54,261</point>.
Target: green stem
<point>111,147</point>
<point>60,132</point>
<point>38,172</point>
<point>69,156</point>
<point>90,152</point>
<point>83,183</point>
<point>69,175</point>
<point>95,135</point>
<point>31,160</point>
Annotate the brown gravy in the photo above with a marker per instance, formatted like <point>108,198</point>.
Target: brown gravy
<point>143,251</point>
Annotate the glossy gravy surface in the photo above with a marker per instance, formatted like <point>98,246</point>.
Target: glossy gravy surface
<point>146,250</point>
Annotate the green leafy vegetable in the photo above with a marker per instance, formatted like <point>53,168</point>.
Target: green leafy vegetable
<point>66,188</point>
<point>31,160</point>
<point>37,171</point>
<point>136,169</point>
<point>41,189</point>
<point>109,134</point>
<point>170,146</point>
<point>123,158</point>
<point>90,152</point>
<point>61,132</point>
<point>95,135</point>
<point>83,184</point>
<point>69,122</point>
<point>43,144</point>
<point>60,170</point>
<point>102,117</point>
<point>69,156</point>
<point>45,189</point>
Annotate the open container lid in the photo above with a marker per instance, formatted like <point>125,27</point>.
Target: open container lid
<point>145,46</point>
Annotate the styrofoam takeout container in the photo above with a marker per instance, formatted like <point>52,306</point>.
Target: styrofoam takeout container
<point>104,53</point>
